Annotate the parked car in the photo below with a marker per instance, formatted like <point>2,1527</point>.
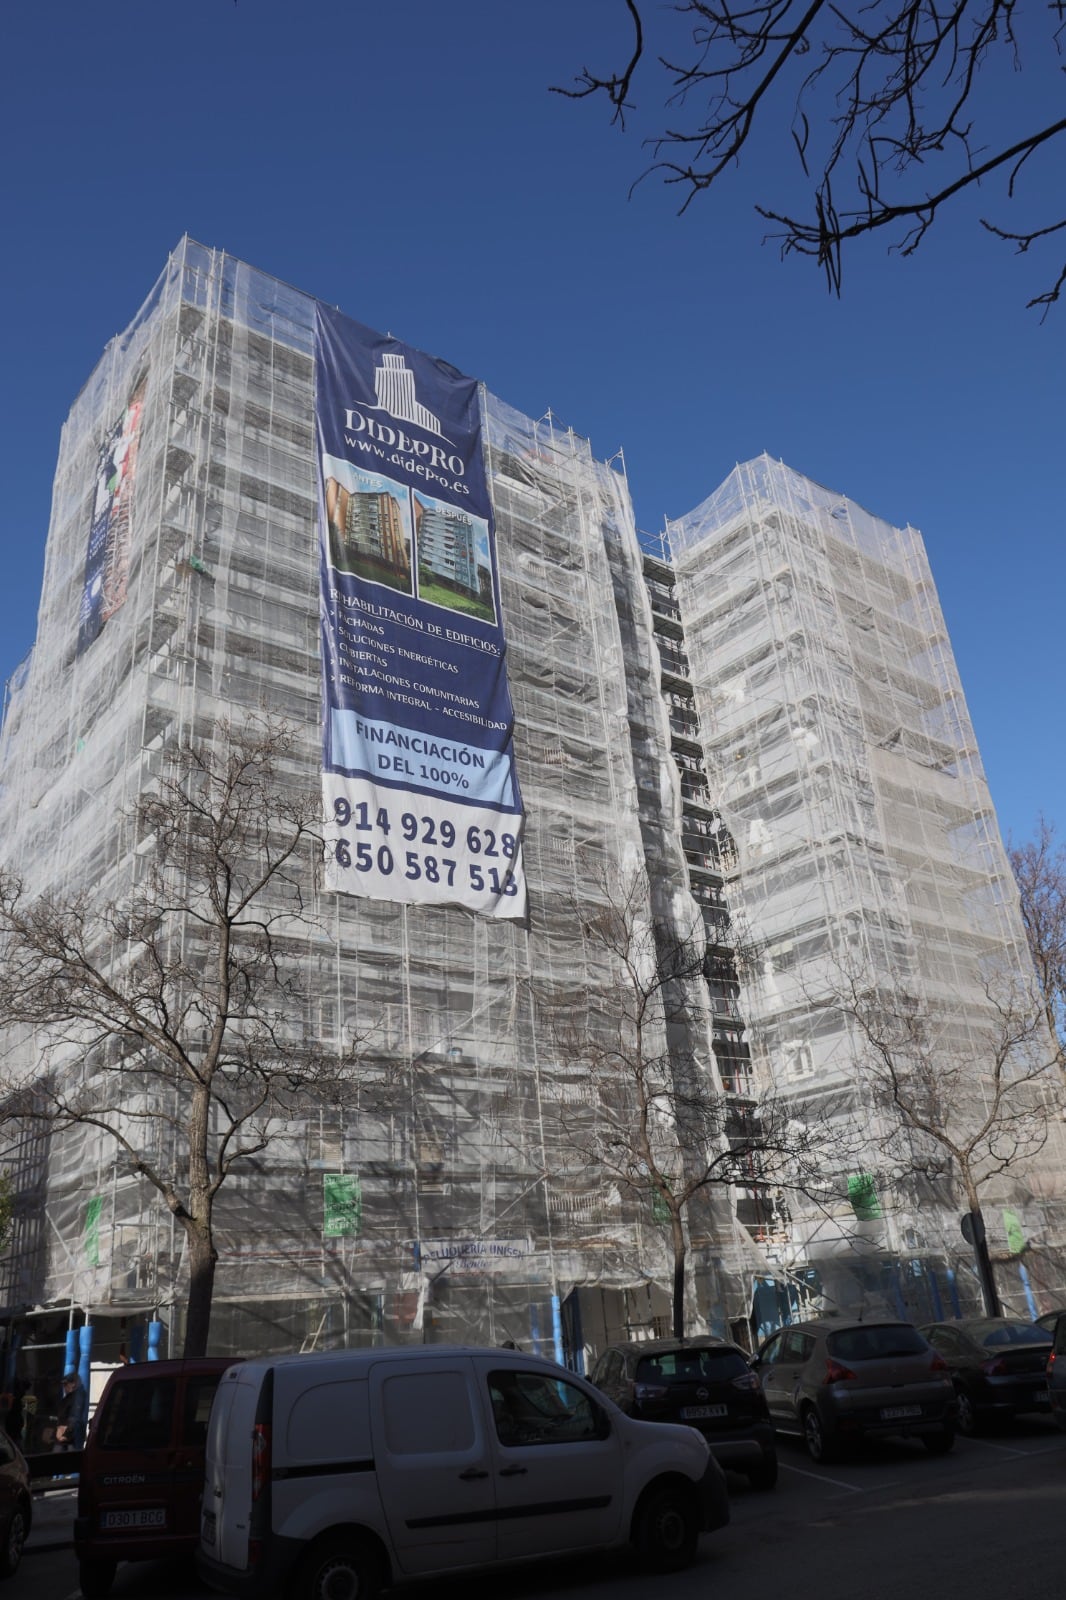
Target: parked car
<point>339,1473</point>
<point>832,1380</point>
<point>16,1505</point>
<point>142,1468</point>
<point>706,1383</point>
<point>1056,1375</point>
<point>998,1367</point>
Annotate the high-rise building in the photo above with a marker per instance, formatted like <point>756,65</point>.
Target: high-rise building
<point>765,715</point>
<point>868,882</point>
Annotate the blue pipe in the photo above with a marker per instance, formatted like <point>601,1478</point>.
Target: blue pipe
<point>85,1354</point>
<point>557,1330</point>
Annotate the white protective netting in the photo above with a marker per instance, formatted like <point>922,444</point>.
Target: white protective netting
<point>220,619</point>
<point>841,755</point>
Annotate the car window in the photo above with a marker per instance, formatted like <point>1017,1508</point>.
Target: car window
<point>138,1416</point>
<point>876,1343</point>
<point>771,1350</point>
<point>199,1393</point>
<point>1013,1333</point>
<point>533,1408</point>
<point>944,1340</point>
<point>693,1365</point>
<point>797,1346</point>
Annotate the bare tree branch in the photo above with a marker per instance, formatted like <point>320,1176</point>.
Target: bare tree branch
<point>893,86</point>
<point>173,1019</point>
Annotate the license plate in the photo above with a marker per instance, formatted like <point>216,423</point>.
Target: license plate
<point>896,1413</point>
<point>1042,1398</point>
<point>134,1519</point>
<point>692,1413</point>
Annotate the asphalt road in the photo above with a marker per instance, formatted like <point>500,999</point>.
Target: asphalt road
<point>891,1523</point>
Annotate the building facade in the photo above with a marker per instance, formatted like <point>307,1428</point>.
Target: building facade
<point>736,721</point>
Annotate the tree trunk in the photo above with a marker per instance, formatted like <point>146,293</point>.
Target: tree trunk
<point>985,1274</point>
<point>677,1234</point>
<point>203,1258</point>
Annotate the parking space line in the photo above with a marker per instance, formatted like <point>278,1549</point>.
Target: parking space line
<point>820,1477</point>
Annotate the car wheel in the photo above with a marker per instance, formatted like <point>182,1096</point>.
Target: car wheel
<point>340,1567</point>
<point>816,1436</point>
<point>764,1476</point>
<point>96,1578</point>
<point>939,1443</point>
<point>665,1530</point>
<point>14,1541</point>
<point>966,1415</point>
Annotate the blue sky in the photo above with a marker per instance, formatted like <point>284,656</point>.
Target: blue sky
<point>407,163</point>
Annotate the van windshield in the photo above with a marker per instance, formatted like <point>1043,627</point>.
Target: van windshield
<point>138,1415</point>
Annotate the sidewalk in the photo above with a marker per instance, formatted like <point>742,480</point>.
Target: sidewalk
<point>53,1521</point>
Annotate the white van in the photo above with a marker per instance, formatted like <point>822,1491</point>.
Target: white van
<point>329,1476</point>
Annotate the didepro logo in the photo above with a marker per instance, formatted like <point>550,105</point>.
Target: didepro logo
<point>394,388</point>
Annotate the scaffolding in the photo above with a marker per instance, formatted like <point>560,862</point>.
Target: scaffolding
<point>214,615</point>
<point>841,756</point>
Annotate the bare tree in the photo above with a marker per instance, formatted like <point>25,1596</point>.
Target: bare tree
<point>965,1097</point>
<point>656,1122</point>
<point>893,109</point>
<point>172,1017</point>
<point>1040,871</point>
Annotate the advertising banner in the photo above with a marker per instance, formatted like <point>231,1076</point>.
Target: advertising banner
<point>342,1205</point>
<point>419,786</point>
<point>461,1256</point>
<point>107,558</point>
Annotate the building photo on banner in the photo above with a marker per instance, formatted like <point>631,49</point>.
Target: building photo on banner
<point>587,888</point>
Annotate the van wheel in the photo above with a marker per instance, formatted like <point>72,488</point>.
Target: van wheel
<point>337,1568</point>
<point>96,1578</point>
<point>14,1541</point>
<point>664,1529</point>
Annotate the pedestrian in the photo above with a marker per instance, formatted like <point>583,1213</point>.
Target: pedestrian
<point>72,1413</point>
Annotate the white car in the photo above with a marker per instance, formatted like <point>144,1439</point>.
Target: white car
<point>329,1476</point>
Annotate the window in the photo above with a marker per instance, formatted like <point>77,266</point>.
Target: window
<point>139,1415</point>
<point>530,1408</point>
<point>199,1393</point>
<point>797,1346</point>
<point>695,1365</point>
<point>875,1344</point>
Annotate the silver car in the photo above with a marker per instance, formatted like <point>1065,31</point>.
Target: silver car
<point>834,1380</point>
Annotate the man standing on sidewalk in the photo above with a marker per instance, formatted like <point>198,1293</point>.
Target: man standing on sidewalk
<point>72,1413</point>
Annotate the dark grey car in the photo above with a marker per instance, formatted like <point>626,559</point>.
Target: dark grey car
<point>1056,1374</point>
<point>833,1380</point>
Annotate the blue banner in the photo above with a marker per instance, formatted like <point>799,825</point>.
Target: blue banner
<point>419,786</point>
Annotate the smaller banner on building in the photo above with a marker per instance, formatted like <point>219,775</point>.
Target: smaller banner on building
<point>107,559</point>
<point>460,1256</point>
<point>92,1230</point>
<point>419,784</point>
<point>342,1205</point>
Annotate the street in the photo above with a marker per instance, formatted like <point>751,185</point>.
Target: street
<point>891,1523</point>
